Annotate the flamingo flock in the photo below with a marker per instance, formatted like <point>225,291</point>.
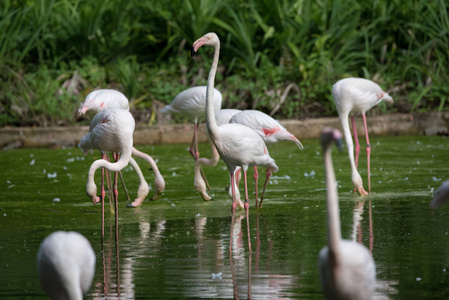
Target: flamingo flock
<point>240,139</point>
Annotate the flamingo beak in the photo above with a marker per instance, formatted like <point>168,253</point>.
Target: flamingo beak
<point>197,44</point>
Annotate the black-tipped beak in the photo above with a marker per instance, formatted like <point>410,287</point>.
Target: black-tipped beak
<point>339,143</point>
<point>192,53</point>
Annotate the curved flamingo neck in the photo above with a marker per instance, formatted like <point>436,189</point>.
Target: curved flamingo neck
<point>211,123</point>
<point>344,120</point>
<point>333,211</point>
<point>147,158</point>
<point>114,167</point>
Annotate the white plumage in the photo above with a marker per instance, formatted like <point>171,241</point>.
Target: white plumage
<point>66,265</point>
<point>104,98</point>
<point>347,268</point>
<point>238,145</point>
<point>191,103</point>
<point>441,195</point>
<point>357,95</point>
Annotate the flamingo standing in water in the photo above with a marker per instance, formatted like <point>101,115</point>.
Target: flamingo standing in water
<point>441,195</point>
<point>191,103</point>
<point>66,265</point>
<point>238,145</point>
<point>111,130</point>
<point>222,117</point>
<point>270,130</point>
<point>106,98</point>
<point>347,268</point>
<point>357,95</point>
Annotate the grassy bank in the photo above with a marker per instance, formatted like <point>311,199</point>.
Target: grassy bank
<point>281,57</point>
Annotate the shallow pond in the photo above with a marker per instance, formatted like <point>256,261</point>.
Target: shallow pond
<point>177,247</point>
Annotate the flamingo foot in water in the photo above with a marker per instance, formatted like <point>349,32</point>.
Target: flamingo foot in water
<point>95,200</point>
<point>362,191</point>
<point>136,203</point>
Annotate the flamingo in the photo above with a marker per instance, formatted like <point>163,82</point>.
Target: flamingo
<point>441,195</point>
<point>106,98</point>
<point>192,104</point>
<point>111,130</point>
<point>357,95</point>
<point>222,117</point>
<point>270,130</point>
<point>238,145</point>
<point>66,265</point>
<point>347,268</point>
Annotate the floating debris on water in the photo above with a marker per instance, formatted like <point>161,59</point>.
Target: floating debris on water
<point>32,162</point>
<point>56,200</point>
<point>311,174</point>
<point>436,179</point>
<point>216,276</point>
<point>52,175</point>
<point>72,159</point>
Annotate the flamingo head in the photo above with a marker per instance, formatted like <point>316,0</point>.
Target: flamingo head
<point>209,39</point>
<point>329,135</point>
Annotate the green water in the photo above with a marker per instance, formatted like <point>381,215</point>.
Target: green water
<point>176,246</point>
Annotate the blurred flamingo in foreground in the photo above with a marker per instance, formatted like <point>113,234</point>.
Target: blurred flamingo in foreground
<point>347,268</point>
<point>441,195</point>
<point>357,95</point>
<point>66,265</point>
<point>105,98</point>
<point>238,145</point>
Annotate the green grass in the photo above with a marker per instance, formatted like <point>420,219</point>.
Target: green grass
<point>281,56</point>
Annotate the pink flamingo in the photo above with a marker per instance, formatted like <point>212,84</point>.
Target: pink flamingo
<point>238,145</point>
<point>106,98</point>
<point>441,195</point>
<point>347,268</point>
<point>66,265</point>
<point>222,117</point>
<point>270,130</point>
<point>111,130</point>
<point>357,95</point>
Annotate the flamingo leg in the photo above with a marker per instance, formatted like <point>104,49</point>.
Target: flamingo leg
<point>368,152</point>
<point>247,210</point>
<point>103,193</point>
<point>256,178</point>
<point>233,208</point>
<point>116,157</point>
<point>269,173</point>
<point>357,144</point>
<point>108,178</point>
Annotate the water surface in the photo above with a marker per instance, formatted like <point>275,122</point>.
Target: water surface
<point>177,247</point>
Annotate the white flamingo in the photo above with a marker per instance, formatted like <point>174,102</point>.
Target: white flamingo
<point>191,103</point>
<point>111,130</point>
<point>106,98</point>
<point>238,145</point>
<point>357,95</point>
<point>222,117</point>
<point>270,130</point>
<point>441,195</point>
<point>347,268</point>
<point>66,265</point>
